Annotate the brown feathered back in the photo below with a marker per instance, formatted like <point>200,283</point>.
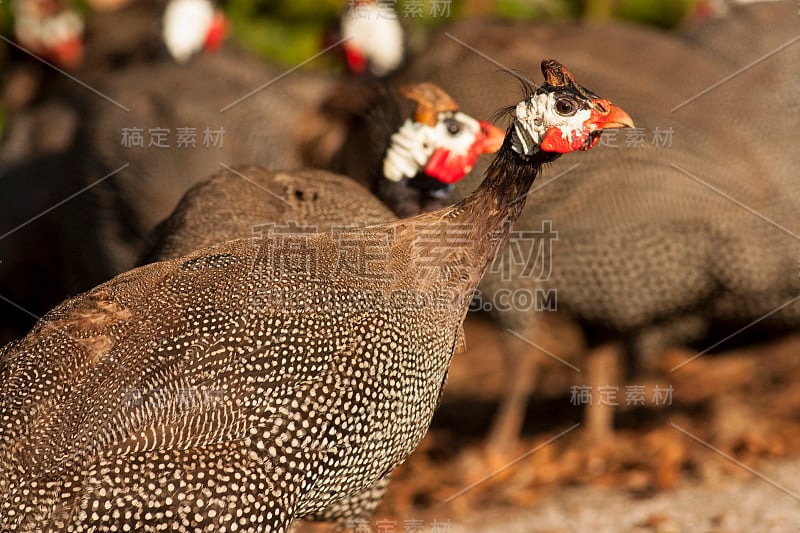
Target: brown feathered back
<point>242,202</point>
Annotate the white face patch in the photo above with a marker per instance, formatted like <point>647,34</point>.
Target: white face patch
<point>414,143</point>
<point>375,31</point>
<point>50,30</point>
<point>535,116</point>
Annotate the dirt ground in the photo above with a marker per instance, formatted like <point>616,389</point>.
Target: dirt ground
<point>711,447</point>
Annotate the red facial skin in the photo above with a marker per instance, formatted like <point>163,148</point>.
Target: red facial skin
<point>449,168</point>
<point>603,115</point>
<point>356,60</point>
<point>216,33</point>
<point>67,54</point>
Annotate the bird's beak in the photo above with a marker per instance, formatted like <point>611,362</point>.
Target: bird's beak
<point>492,138</point>
<point>611,116</point>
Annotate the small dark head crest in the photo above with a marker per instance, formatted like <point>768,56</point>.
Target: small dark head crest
<point>556,76</point>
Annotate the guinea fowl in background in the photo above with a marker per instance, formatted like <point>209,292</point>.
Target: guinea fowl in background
<point>260,381</point>
<point>373,38</point>
<point>192,26</point>
<point>743,34</point>
<point>648,254</point>
<point>184,122</point>
<point>371,42</point>
<point>44,150</point>
<point>236,202</point>
<point>51,29</point>
<point>431,152</point>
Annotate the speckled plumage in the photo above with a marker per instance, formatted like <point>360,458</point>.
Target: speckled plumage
<point>180,388</point>
<point>250,201</point>
<point>251,382</point>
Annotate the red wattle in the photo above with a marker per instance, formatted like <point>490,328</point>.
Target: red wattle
<point>216,33</point>
<point>69,53</point>
<point>449,168</point>
<point>554,141</point>
<point>355,60</point>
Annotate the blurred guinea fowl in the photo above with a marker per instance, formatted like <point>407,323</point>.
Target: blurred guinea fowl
<point>262,380</point>
<point>741,36</point>
<point>54,30</point>
<point>438,140</point>
<point>374,39</point>
<point>51,29</point>
<point>41,250</point>
<point>648,252</point>
<point>192,26</point>
<point>181,123</point>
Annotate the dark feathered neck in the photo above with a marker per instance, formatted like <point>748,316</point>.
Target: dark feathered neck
<point>471,233</point>
<point>498,201</point>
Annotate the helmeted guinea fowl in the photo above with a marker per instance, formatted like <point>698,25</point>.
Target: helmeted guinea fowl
<point>739,38</point>
<point>431,152</point>
<point>655,250</point>
<point>428,152</point>
<point>259,381</point>
<point>51,29</point>
<point>184,122</point>
<point>237,202</point>
<point>44,253</point>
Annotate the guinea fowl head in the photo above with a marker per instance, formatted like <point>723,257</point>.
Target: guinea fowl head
<point>373,38</point>
<point>51,29</point>
<point>439,141</point>
<point>557,117</point>
<point>192,26</point>
<point>562,116</point>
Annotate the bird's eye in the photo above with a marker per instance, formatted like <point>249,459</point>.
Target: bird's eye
<point>453,127</point>
<point>566,107</point>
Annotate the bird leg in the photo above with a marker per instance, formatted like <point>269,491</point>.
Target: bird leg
<point>602,367</point>
<point>522,364</point>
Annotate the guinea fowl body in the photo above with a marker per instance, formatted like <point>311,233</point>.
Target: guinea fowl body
<point>251,201</point>
<point>248,200</point>
<point>258,380</point>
